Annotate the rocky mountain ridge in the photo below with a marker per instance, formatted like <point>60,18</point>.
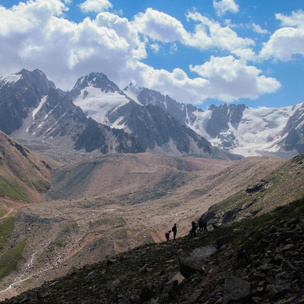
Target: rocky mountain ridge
<point>46,114</point>
<point>234,129</point>
<point>154,127</point>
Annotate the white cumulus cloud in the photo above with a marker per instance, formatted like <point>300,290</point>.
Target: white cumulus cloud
<point>96,6</point>
<point>231,79</point>
<point>176,84</point>
<point>286,41</point>
<point>258,29</point>
<point>223,6</point>
<point>36,35</point>
<point>210,34</point>
<point>160,26</point>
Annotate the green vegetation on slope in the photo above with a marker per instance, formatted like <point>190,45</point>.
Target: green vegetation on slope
<point>42,185</point>
<point>9,260</point>
<point>3,212</point>
<point>6,230</point>
<point>13,190</point>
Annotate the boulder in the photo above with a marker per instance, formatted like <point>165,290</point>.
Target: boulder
<point>235,289</point>
<point>195,262</point>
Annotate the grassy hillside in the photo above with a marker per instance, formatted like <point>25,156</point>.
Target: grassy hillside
<point>11,188</point>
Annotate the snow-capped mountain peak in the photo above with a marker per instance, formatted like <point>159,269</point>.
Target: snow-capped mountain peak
<point>96,80</point>
<point>133,90</point>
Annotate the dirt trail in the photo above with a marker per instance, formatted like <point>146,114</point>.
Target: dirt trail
<point>7,214</point>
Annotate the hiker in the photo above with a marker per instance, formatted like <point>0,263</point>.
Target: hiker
<point>205,226</point>
<point>193,229</point>
<point>174,229</point>
<point>168,235</point>
<point>202,224</point>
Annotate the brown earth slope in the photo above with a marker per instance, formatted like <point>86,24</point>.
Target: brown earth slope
<point>24,176</point>
<point>107,205</point>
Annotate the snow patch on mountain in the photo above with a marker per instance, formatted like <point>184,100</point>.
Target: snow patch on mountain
<point>42,102</point>
<point>118,125</point>
<point>132,91</point>
<point>97,104</point>
<point>199,124</point>
<point>259,130</point>
<point>11,78</point>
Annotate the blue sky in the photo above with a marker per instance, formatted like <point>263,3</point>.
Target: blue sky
<point>196,51</point>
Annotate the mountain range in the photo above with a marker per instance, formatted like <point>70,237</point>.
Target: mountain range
<point>235,128</point>
<point>96,116</point>
<point>34,110</point>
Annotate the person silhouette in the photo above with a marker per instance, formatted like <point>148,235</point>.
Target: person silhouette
<point>193,229</point>
<point>174,230</point>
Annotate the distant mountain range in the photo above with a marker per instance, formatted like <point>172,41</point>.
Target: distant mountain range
<point>234,128</point>
<point>96,116</point>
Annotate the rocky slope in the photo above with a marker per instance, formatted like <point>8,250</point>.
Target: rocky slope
<point>279,188</point>
<point>18,94</point>
<point>242,263</point>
